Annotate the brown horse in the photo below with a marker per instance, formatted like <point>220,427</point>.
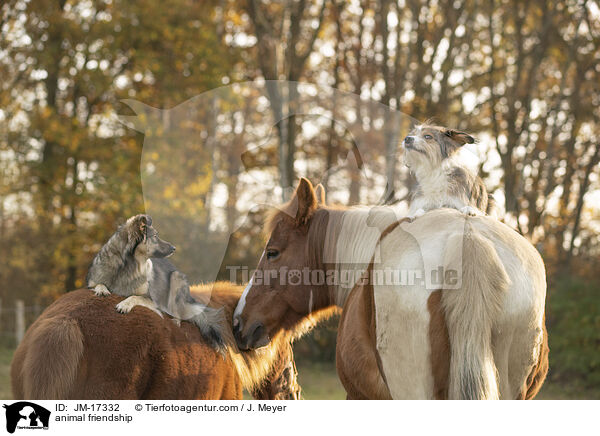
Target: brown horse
<point>475,335</point>
<point>82,348</point>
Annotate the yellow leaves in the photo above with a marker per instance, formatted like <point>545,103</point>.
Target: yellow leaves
<point>170,192</point>
<point>177,195</point>
<point>61,130</point>
<point>200,187</point>
<point>235,18</point>
<point>45,112</point>
<point>193,190</point>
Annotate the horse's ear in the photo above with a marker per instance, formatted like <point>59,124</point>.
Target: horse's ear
<point>306,200</point>
<point>320,193</point>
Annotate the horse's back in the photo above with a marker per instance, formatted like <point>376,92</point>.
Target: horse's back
<point>134,356</point>
<point>414,352</point>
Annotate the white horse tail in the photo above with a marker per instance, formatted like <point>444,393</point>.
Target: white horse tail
<point>471,311</point>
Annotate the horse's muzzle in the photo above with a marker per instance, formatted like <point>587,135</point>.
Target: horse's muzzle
<point>254,337</point>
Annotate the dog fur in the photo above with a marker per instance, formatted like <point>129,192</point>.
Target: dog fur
<point>429,152</point>
<point>133,264</point>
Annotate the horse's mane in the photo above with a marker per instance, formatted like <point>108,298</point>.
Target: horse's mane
<point>252,366</point>
<point>342,235</point>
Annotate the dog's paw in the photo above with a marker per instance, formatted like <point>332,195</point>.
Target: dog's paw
<point>469,210</point>
<point>101,290</point>
<point>176,321</point>
<point>126,305</point>
<point>129,303</point>
<point>417,214</point>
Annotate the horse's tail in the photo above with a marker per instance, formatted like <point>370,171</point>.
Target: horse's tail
<point>51,359</point>
<point>471,311</point>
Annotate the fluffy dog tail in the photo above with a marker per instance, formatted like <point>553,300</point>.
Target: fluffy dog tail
<point>211,323</point>
<point>471,312</point>
<point>50,360</point>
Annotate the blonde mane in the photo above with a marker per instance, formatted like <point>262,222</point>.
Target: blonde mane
<point>350,241</point>
<point>349,236</point>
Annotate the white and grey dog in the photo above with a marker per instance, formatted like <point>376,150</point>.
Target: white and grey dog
<point>429,152</point>
<point>133,264</point>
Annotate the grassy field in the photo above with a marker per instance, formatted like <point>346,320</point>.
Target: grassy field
<point>319,381</point>
<point>5,358</point>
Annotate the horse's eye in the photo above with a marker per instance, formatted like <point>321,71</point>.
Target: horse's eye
<point>428,137</point>
<point>272,253</point>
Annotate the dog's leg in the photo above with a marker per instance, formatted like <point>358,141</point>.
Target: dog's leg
<point>419,212</point>
<point>129,303</point>
<point>101,290</point>
<point>177,322</point>
<point>469,210</point>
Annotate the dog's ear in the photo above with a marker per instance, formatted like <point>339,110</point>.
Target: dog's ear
<point>135,230</point>
<point>137,226</point>
<point>452,140</point>
<point>461,138</point>
<point>143,222</point>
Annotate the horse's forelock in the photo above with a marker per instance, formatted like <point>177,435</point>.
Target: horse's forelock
<point>272,219</point>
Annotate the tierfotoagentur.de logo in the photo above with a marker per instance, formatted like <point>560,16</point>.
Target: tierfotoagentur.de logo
<point>26,415</point>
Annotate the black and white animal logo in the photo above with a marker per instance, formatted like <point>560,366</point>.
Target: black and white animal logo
<point>26,415</point>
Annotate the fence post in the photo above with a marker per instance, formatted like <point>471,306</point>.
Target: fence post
<point>20,320</point>
<point>37,310</point>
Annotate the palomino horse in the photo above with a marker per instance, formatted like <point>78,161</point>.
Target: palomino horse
<point>81,348</point>
<point>479,334</point>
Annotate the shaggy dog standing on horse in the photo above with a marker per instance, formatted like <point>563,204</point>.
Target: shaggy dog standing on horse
<point>81,348</point>
<point>478,333</point>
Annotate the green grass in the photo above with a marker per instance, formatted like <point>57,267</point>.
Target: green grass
<point>573,322</point>
<point>5,358</point>
<point>552,390</point>
<point>319,381</point>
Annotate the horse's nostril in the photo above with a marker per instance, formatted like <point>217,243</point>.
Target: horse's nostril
<point>254,337</point>
<point>257,335</point>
